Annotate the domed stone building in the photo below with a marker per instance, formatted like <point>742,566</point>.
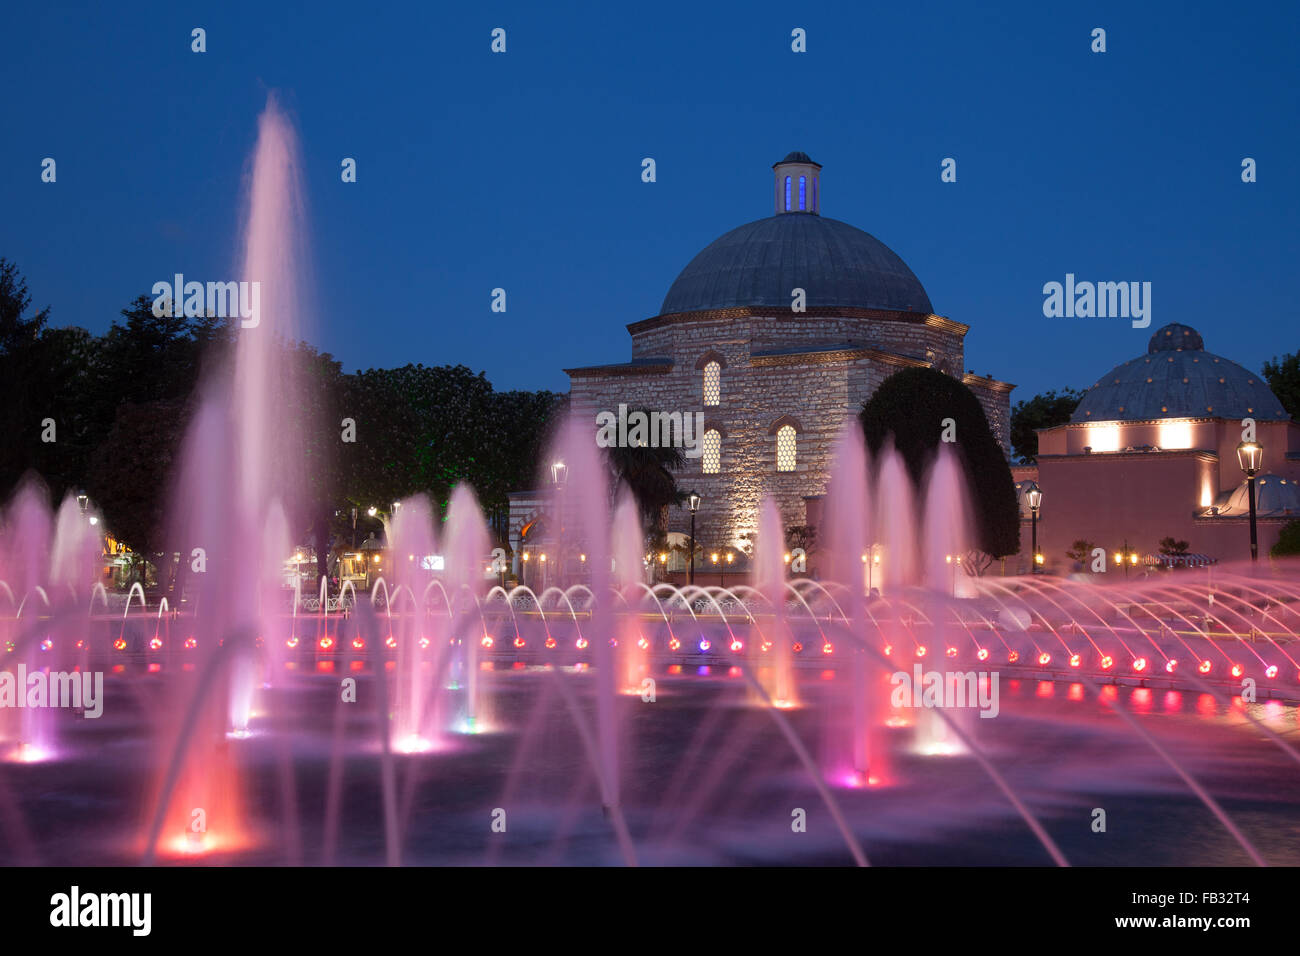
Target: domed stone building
<point>1151,452</point>
<point>776,331</point>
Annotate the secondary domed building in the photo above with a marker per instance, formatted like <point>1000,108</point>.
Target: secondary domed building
<point>1151,452</point>
<point>775,332</point>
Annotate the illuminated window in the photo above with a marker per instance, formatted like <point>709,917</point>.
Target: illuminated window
<point>1104,437</point>
<point>712,383</point>
<point>712,456</point>
<point>785,448</point>
<point>787,194</point>
<point>803,192</point>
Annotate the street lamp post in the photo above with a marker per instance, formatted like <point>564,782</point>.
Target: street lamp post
<point>1033,498</point>
<point>1250,455</point>
<point>1126,557</point>
<point>694,502</point>
<point>354,529</point>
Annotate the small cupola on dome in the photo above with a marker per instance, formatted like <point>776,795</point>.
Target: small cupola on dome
<point>1175,337</point>
<point>798,184</point>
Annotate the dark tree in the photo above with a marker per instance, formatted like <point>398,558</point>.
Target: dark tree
<point>1042,411</point>
<point>1283,377</point>
<point>131,470</point>
<point>1173,547</point>
<point>1288,541</point>
<point>911,406</point>
<point>1080,552</point>
<point>648,472</point>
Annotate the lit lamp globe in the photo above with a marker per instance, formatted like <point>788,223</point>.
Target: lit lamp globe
<point>1250,455</point>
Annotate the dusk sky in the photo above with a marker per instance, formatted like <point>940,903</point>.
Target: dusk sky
<point>522,170</point>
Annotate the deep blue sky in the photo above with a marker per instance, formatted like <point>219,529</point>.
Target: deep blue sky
<point>522,170</point>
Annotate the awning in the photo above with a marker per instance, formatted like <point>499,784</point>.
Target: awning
<point>1179,560</point>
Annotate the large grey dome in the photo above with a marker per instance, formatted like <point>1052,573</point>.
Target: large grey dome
<point>1177,378</point>
<point>759,264</point>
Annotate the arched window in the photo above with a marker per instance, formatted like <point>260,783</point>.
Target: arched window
<point>711,457</point>
<point>814,205</point>
<point>787,194</point>
<point>786,458</point>
<point>712,384</point>
<point>803,192</point>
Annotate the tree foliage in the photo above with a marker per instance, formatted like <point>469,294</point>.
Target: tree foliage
<point>1288,540</point>
<point>911,406</point>
<point>121,403</point>
<point>1042,411</point>
<point>1283,377</point>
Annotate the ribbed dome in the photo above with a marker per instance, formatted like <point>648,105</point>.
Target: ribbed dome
<point>760,263</point>
<point>1273,496</point>
<point>1177,378</point>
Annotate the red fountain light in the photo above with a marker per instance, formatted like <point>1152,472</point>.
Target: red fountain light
<point>1204,668</point>
<point>581,643</point>
<point>920,650</point>
<point>736,646</point>
<point>1013,657</point>
<point>1171,665</point>
<point>1271,671</point>
<point>1107,662</point>
<point>1075,660</point>
<point>519,642</point>
<point>550,643</point>
<point>1236,670</point>
<point>1140,664</point>
<point>120,644</point>
<point>674,644</point>
<point>358,644</point>
<point>982,653</point>
<point>951,652</point>
<point>326,643</point>
<point>1044,658</point>
<point>192,642</point>
<point>827,648</point>
<point>797,648</point>
<point>154,645</point>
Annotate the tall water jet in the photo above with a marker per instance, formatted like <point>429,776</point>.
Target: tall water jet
<point>415,721</point>
<point>238,464</point>
<point>633,653</point>
<point>27,732</point>
<point>946,536</point>
<point>587,526</point>
<point>946,545</point>
<point>466,541</point>
<point>769,579</point>
<point>896,519</point>
<point>847,551</point>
